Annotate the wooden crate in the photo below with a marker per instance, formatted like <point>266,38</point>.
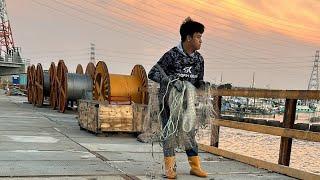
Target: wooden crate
<point>100,117</point>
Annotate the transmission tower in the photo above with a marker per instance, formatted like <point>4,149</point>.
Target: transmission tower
<point>314,78</point>
<point>6,40</point>
<point>92,53</point>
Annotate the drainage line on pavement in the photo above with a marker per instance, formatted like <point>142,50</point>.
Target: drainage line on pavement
<point>123,175</point>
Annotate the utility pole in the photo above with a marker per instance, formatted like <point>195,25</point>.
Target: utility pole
<point>252,86</point>
<point>314,77</point>
<point>221,80</point>
<point>93,53</point>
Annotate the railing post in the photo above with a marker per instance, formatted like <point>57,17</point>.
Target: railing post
<point>288,122</point>
<point>214,141</point>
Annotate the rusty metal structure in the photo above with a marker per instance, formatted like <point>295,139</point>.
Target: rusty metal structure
<point>10,59</point>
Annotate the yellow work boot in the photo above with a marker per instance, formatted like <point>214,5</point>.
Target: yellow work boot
<point>170,168</point>
<point>196,170</point>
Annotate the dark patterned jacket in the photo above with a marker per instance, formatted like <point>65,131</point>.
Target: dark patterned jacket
<point>176,64</point>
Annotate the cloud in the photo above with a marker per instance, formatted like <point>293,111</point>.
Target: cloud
<point>295,19</point>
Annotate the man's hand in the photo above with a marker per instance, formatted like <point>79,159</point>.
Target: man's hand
<point>178,85</point>
<point>165,80</point>
<point>174,82</point>
<point>204,85</point>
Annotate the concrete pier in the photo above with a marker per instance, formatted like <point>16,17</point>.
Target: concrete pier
<point>40,143</point>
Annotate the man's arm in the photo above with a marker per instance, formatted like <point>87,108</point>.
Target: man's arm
<point>200,81</point>
<point>159,71</point>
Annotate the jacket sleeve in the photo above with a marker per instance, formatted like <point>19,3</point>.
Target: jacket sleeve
<point>200,81</point>
<point>160,70</point>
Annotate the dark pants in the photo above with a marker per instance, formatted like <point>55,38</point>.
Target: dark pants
<point>169,144</point>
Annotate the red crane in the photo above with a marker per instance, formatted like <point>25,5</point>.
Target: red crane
<point>6,39</point>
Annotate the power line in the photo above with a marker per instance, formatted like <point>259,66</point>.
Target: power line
<point>229,40</point>
<point>85,20</point>
<point>244,54</point>
<point>259,35</point>
<point>252,20</point>
<point>279,20</point>
<point>82,10</point>
<point>171,33</point>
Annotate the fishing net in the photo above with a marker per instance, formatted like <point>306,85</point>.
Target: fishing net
<point>190,111</point>
<point>191,115</point>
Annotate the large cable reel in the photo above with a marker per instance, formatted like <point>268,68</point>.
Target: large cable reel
<point>71,86</point>
<point>53,86</point>
<point>120,88</point>
<point>31,84</point>
<point>42,85</point>
<point>79,69</point>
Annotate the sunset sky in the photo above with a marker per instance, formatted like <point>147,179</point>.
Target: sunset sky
<point>275,40</point>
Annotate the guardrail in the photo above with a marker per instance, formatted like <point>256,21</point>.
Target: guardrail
<point>287,131</point>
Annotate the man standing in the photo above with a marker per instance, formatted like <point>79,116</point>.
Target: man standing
<point>181,63</point>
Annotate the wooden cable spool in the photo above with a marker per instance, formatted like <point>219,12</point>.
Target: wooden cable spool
<point>71,86</point>
<point>90,70</point>
<point>42,85</point>
<point>61,85</point>
<point>121,88</point>
<point>32,82</point>
<point>29,85</point>
<point>101,88</point>
<point>53,86</point>
<point>79,69</point>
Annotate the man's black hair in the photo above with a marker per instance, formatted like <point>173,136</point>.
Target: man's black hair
<point>189,27</point>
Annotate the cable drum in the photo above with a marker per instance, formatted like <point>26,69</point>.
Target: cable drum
<point>79,69</point>
<point>71,86</point>
<point>53,85</point>
<point>124,88</point>
<point>46,83</point>
<point>77,85</point>
<point>32,84</point>
<point>139,73</point>
<point>90,70</point>
<point>121,88</point>
<point>101,88</point>
<point>42,85</point>
<point>29,85</point>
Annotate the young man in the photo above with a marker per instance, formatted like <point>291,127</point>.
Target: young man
<point>184,63</point>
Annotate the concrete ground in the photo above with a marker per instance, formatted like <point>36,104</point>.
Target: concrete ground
<point>40,143</point>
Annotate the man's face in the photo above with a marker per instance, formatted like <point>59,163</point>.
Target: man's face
<point>196,41</point>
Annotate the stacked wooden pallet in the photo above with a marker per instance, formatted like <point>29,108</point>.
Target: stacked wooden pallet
<point>101,117</point>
